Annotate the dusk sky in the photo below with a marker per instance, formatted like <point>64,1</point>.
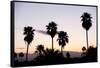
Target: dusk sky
<point>67,18</point>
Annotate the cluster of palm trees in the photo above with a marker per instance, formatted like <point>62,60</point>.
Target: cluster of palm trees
<point>52,31</point>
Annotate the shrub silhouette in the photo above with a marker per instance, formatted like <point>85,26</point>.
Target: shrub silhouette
<point>49,56</point>
<point>21,55</point>
<point>68,55</point>
<point>91,53</point>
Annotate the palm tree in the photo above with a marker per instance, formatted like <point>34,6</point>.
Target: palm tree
<point>83,48</point>
<point>86,23</point>
<point>52,30</point>
<point>84,51</point>
<point>29,35</point>
<point>40,49</point>
<point>62,39</point>
<point>21,55</point>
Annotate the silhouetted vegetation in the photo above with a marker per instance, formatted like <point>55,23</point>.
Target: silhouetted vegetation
<point>91,54</point>
<point>29,35</point>
<point>52,30</point>
<point>68,55</point>
<point>84,51</point>
<point>86,24</point>
<point>40,49</point>
<point>21,55</point>
<point>62,39</point>
<point>51,56</point>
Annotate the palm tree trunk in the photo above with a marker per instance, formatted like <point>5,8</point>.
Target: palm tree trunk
<point>52,43</point>
<point>87,38</point>
<point>27,53</point>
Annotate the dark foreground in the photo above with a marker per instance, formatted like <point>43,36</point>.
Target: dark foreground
<point>55,57</point>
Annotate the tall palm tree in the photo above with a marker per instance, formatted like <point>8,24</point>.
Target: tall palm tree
<point>29,35</point>
<point>62,39</point>
<point>21,55</point>
<point>52,30</point>
<point>86,24</point>
<point>40,49</point>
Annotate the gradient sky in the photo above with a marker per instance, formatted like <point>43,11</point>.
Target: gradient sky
<point>67,18</point>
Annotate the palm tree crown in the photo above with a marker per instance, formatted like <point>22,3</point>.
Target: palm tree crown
<point>83,48</point>
<point>52,29</point>
<point>86,19</point>
<point>62,39</point>
<point>29,32</point>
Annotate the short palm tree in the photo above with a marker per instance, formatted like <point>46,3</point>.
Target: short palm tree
<point>84,51</point>
<point>40,49</point>
<point>52,30</point>
<point>83,48</point>
<point>62,39</point>
<point>86,24</point>
<point>21,55</point>
<point>29,35</point>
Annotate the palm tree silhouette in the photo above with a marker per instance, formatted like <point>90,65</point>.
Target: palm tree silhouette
<point>62,39</point>
<point>21,55</point>
<point>84,51</point>
<point>52,30</point>
<point>40,49</point>
<point>29,35</point>
<point>83,48</point>
<point>86,24</point>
